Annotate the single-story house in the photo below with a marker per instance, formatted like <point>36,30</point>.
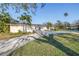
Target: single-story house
<point>75,27</point>
<point>17,27</point>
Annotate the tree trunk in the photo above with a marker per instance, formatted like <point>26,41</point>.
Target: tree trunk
<point>23,28</point>
<point>40,34</point>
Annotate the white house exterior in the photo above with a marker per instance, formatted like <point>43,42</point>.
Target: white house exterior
<point>14,28</point>
<point>43,28</point>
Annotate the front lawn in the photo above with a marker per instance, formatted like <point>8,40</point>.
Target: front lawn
<point>6,36</point>
<point>60,45</point>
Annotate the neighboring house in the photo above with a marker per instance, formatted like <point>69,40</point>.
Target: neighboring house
<point>19,27</point>
<point>41,27</point>
<point>74,27</point>
<point>52,28</point>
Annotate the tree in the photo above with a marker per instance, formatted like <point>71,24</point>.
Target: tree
<point>5,17</point>
<point>59,25</point>
<point>4,20</point>
<point>20,7</point>
<point>65,14</point>
<point>77,24</point>
<point>67,25</point>
<point>26,19</point>
<point>49,25</point>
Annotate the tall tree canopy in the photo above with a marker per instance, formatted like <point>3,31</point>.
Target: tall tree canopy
<point>49,24</point>
<point>59,24</point>
<point>5,17</point>
<point>4,20</point>
<point>26,19</point>
<point>20,7</point>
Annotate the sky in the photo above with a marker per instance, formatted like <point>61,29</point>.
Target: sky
<point>54,11</point>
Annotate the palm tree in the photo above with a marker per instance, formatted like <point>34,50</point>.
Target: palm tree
<point>65,14</point>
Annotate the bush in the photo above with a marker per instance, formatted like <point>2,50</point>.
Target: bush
<point>19,31</point>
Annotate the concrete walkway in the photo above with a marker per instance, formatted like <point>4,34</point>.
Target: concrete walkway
<point>6,47</point>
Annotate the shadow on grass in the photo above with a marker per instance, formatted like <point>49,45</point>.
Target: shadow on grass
<point>53,42</point>
<point>70,38</point>
<point>58,45</point>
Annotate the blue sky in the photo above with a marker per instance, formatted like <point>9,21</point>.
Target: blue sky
<point>53,12</point>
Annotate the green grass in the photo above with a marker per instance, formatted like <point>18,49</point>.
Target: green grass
<point>60,45</point>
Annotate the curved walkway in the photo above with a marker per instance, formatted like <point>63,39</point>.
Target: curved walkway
<point>6,47</point>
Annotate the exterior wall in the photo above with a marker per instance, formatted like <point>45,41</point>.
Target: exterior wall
<point>44,28</point>
<point>15,29</point>
<point>34,27</point>
<point>52,28</point>
<point>28,29</point>
<point>25,28</point>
